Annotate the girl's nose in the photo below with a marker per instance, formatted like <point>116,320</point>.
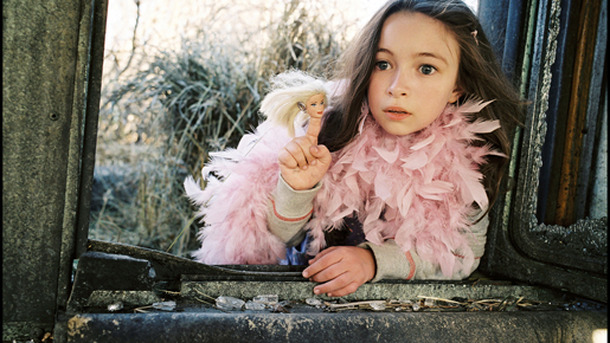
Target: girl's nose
<point>398,87</point>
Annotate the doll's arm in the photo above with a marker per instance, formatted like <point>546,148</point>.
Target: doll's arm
<point>392,263</point>
<point>289,210</point>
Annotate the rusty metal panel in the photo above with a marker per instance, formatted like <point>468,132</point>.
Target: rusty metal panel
<point>571,257</point>
<point>46,78</point>
<point>574,148</point>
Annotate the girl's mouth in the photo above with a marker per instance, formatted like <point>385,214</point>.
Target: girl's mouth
<point>396,113</point>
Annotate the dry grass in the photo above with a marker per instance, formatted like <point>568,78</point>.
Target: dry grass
<point>165,111</point>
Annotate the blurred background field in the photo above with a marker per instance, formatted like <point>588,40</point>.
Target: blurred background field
<point>184,78</point>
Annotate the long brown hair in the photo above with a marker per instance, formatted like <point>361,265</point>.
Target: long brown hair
<point>479,75</point>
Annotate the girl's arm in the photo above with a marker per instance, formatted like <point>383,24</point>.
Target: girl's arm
<point>393,263</point>
<point>289,210</point>
<point>302,163</point>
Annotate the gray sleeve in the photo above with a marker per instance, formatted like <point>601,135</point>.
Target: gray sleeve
<point>392,263</point>
<point>289,210</point>
<point>476,240</point>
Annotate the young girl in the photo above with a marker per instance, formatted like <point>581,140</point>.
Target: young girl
<point>397,181</point>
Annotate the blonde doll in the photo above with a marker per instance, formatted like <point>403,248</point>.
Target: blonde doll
<point>294,97</point>
<point>295,104</point>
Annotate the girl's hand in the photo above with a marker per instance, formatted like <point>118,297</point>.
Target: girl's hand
<point>302,161</point>
<point>341,269</point>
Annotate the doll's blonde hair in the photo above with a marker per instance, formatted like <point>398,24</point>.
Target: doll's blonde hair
<point>288,89</point>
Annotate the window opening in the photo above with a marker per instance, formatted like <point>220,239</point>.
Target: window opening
<point>175,89</point>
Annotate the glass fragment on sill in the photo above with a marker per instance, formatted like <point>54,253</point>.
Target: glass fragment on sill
<point>165,306</point>
<point>229,303</point>
<point>117,306</point>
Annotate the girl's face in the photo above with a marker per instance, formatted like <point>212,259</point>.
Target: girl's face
<point>415,73</point>
<point>315,106</point>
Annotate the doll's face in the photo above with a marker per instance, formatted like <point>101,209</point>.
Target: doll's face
<point>315,106</point>
<point>415,73</point>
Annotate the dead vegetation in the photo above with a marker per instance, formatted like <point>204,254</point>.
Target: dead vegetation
<point>163,111</point>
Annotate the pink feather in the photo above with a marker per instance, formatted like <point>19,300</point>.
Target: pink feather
<point>389,156</point>
<point>425,198</point>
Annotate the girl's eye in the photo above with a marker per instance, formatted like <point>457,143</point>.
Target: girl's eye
<point>382,65</point>
<point>427,69</point>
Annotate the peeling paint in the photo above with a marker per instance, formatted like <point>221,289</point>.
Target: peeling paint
<point>76,323</point>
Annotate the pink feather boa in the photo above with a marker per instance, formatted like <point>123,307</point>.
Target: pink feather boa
<point>417,189</point>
